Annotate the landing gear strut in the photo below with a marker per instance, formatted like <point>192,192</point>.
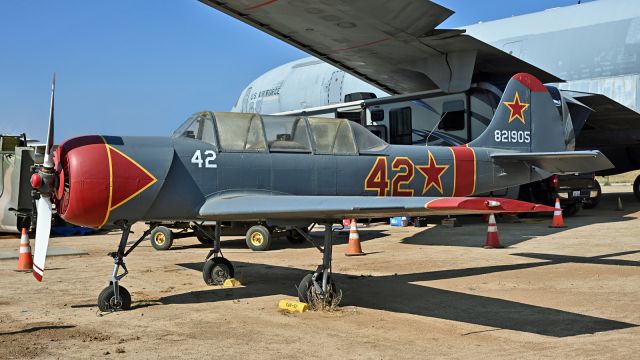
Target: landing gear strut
<point>216,268</point>
<point>115,297</point>
<point>318,289</point>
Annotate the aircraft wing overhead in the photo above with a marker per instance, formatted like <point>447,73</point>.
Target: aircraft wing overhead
<point>393,45</point>
<point>260,206</point>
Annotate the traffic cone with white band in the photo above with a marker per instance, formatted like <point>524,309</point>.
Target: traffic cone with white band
<point>557,221</point>
<point>25,261</point>
<point>493,240</point>
<point>353,248</point>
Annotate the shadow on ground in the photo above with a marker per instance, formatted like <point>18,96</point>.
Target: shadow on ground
<point>397,293</point>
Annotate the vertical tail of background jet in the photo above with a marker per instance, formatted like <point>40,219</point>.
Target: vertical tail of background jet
<point>526,119</point>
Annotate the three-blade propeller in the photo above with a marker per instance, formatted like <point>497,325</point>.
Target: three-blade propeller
<point>46,178</point>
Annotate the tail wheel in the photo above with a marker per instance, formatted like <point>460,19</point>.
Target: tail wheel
<point>258,238</point>
<point>161,238</point>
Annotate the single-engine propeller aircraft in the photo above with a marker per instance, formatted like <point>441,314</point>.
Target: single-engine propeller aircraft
<point>292,171</point>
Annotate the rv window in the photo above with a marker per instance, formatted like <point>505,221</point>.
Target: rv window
<point>240,132</point>
<point>452,121</point>
<point>377,115</point>
<point>286,133</point>
<point>332,136</point>
<point>400,126</point>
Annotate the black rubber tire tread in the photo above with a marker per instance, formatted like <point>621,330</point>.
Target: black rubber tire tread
<point>168,235</point>
<point>636,187</point>
<point>592,203</point>
<point>266,234</point>
<point>105,296</point>
<point>212,268</point>
<point>294,236</point>
<point>303,288</point>
<point>206,240</point>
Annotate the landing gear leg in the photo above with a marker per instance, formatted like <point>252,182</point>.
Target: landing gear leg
<point>115,297</point>
<point>318,289</point>
<point>216,267</point>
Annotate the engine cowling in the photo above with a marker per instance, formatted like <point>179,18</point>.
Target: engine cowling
<point>94,178</point>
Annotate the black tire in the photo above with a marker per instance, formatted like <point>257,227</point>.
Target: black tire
<point>258,238</point>
<point>571,210</point>
<point>636,187</point>
<point>592,203</point>
<point>215,271</point>
<point>106,299</point>
<point>294,236</point>
<point>161,238</point>
<point>307,283</point>
<point>206,240</point>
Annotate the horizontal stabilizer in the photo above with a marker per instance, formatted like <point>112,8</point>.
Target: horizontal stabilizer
<point>562,162</point>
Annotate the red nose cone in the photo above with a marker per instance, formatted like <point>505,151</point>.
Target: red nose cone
<point>36,181</point>
<point>95,179</point>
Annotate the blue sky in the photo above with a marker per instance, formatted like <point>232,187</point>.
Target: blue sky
<point>140,67</point>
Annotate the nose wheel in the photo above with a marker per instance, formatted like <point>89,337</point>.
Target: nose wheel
<point>114,298</point>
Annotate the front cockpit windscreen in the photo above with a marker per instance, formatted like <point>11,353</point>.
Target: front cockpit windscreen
<point>240,132</point>
<point>198,126</point>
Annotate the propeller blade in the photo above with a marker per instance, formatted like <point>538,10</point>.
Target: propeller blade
<point>43,229</point>
<point>48,161</point>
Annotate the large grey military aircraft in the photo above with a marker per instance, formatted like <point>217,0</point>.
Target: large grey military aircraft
<point>293,171</point>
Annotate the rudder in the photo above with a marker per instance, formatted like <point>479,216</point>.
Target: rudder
<point>526,119</point>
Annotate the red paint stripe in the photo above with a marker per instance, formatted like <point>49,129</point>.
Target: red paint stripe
<point>480,205</point>
<point>362,45</point>
<point>530,82</point>
<point>465,171</point>
<point>265,3</point>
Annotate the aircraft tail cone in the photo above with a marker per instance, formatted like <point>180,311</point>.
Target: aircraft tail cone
<point>493,240</point>
<point>557,221</point>
<point>354,249</point>
<point>25,261</point>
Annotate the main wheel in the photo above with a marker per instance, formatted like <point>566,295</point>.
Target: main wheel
<point>216,270</point>
<point>307,293</point>
<point>258,238</point>
<point>592,203</point>
<point>206,240</point>
<point>294,236</point>
<point>636,187</point>
<point>107,299</point>
<point>161,238</point>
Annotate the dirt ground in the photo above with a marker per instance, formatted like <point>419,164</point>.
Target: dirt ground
<point>418,293</point>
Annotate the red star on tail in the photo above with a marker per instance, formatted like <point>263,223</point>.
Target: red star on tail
<point>517,108</point>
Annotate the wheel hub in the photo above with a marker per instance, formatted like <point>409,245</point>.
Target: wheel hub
<point>257,239</point>
<point>159,238</point>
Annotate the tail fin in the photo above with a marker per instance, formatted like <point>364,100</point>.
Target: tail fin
<point>526,119</point>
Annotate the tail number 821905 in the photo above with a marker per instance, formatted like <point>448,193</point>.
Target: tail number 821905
<point>512,136</point>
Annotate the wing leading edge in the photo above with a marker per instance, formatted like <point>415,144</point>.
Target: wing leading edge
<point>291,207</point>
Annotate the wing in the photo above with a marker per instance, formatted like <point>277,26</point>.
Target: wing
<point>560,162</point>
<point>291,207</point>
<point>393,45</point>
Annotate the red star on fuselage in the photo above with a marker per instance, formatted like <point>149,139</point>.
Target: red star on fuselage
<point>517,108</point>
<point>432,173</point>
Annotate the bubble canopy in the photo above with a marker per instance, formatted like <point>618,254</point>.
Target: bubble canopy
<point>245,132</point>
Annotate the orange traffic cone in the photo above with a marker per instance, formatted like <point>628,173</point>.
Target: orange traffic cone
<point>557,221</point>
<point>25,261</point>
<point>493,240</point>
<point>353,248</point>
